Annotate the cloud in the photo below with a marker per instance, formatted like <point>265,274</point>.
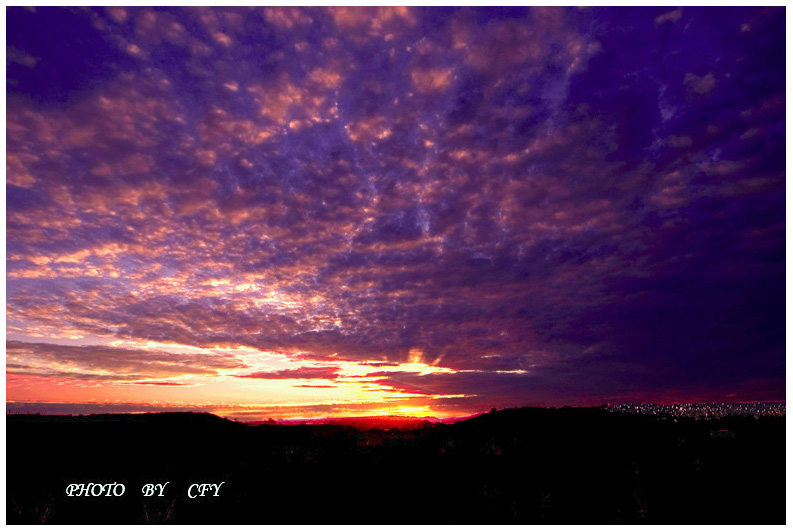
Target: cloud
<point>501,189</point>
<point>669,16</point>
<point>297,373</point>
<point>104,363</point>
<point>76,408</point>
<point>160,383</point>
<point>700,84</point>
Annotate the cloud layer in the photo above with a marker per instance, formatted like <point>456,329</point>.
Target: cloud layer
<point>556,205</point>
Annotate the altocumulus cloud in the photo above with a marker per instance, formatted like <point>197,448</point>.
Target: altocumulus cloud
<point>543,195</point>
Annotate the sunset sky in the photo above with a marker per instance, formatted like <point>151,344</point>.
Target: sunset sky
<point>292,213</point>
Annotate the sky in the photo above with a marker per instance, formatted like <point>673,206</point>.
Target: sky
<point>286,212</point>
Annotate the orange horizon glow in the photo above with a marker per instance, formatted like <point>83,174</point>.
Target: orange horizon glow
<point>246,415</point>
<point>257,384</point>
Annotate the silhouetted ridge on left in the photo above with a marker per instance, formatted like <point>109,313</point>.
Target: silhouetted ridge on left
<point>150,418</point>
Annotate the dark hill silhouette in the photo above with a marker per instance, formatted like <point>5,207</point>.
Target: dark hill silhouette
<point>530,465</point>
<point>204,419</point>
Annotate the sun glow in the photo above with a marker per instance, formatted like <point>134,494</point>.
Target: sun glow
<point>402,410</point>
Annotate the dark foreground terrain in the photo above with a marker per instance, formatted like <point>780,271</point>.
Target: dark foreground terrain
<point>511,466</point>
